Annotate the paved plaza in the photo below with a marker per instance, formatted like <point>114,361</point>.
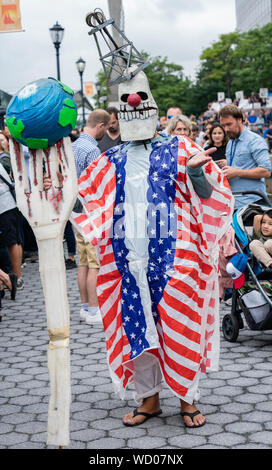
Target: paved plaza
<point>236,400</point>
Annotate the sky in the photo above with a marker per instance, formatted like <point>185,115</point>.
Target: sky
<point>177,29</point>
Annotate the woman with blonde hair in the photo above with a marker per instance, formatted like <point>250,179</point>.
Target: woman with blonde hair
<point>179,125</point>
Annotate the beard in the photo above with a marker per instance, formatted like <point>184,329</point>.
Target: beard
<point>113,130</point>
<point>233,134</point>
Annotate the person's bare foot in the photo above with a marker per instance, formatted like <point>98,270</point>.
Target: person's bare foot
<point>150,405</point>
<point>197,420</point>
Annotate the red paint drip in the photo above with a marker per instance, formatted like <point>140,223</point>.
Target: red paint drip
<point>64,153</point>
<point>56,199</point>
<point>18,155</point>
<point>28,203</point>
<point>34,155</point>
<point>59,148</point>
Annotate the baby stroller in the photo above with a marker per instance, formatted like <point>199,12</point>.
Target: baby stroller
<point>254,299</point>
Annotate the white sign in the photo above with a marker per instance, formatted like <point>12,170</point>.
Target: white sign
<point>263,92</point>
<point>221,96</point>
<point>269,103</point>
<point>239,95</point>
<point>215,107</point>
<point>244,104</point>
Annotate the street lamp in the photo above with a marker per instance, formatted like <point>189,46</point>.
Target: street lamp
<point>57,33</point>
<point>103,100</point>
<point>98,89</point>
<point>80,63</point>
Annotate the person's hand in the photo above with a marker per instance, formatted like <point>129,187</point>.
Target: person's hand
<point>201,158</point>
<point>47,182</point>
<point>221,163</point>
<point>230,172</point>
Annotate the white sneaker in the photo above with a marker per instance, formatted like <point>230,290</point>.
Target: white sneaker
<point>20,283</point>
<point>90,319</point>
<point>82,314</point>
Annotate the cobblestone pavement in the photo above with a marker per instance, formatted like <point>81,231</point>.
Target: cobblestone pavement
<point>237,400</point>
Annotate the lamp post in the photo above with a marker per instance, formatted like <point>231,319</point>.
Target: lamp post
<point>57,33</point>
<point>103,100</point>
<point>98,89</point>
<point>80,63</point>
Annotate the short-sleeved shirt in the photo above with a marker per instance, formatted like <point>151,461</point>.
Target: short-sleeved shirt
<point>85,150</point>
<point>106,142</point>
<point>248,151</point>
<point>219,154</point>
<point>7,201</point>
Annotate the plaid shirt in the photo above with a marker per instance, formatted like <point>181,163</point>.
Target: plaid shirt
<point>85,151</point>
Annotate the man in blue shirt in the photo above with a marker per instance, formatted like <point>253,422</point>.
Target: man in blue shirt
<point>248,161</point>
<point>86,150</point>
<point>86,146</point>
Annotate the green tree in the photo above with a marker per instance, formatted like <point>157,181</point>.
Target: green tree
<point>104,91</point>
<point>238,61</point>
<point>255,60</point>
<point>219,64</point>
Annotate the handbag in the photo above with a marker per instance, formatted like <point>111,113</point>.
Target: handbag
<point>10,185</point>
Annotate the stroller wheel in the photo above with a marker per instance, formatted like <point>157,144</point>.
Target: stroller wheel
<point>230,327</point>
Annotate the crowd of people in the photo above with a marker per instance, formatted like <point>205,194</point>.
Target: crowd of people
<point>210,130</point>
<point>239,150</point>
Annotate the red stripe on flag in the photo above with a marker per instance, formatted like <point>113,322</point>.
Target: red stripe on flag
<point>192,256</point>
<point>181,350</point>
<point>187,290</point>
<point>96,203</point>
<point>176,325</point>
<point>211,237</point>
<point>193,273</point>
<point>210,220</point>
<point>173,384</point>
<point>118,348</point>
<point>96,181</point>
<point>214,204</point>
<point>86,173</point>
<point>106,277</point>
<point>112,313</point>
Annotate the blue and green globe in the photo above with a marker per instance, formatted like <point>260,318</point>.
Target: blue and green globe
<point>42,113</point>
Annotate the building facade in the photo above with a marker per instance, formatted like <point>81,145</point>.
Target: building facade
<point>251,14</point>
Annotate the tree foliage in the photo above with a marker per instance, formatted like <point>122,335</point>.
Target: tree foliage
<point>238,61</point>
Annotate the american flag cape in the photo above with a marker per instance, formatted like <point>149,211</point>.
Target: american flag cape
<point>160,294</point>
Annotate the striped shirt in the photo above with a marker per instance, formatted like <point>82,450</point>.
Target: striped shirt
<point>85,151</point>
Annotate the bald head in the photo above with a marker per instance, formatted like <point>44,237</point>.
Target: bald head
<point>96,117</point>
<point>174,111</point>
<point>97,123</point>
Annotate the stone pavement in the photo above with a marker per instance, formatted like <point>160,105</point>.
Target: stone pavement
<point>237,400</point>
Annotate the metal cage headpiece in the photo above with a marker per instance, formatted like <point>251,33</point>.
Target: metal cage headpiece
<point>120,57</point>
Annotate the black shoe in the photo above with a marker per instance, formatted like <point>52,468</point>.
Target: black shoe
<point>70,264</point>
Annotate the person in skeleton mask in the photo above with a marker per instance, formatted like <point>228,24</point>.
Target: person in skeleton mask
<point>156,207</point>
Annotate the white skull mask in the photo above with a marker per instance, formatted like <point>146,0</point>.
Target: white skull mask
<point>138,115</point>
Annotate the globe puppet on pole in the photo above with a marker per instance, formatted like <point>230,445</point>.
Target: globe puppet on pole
<point>41,116</point>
